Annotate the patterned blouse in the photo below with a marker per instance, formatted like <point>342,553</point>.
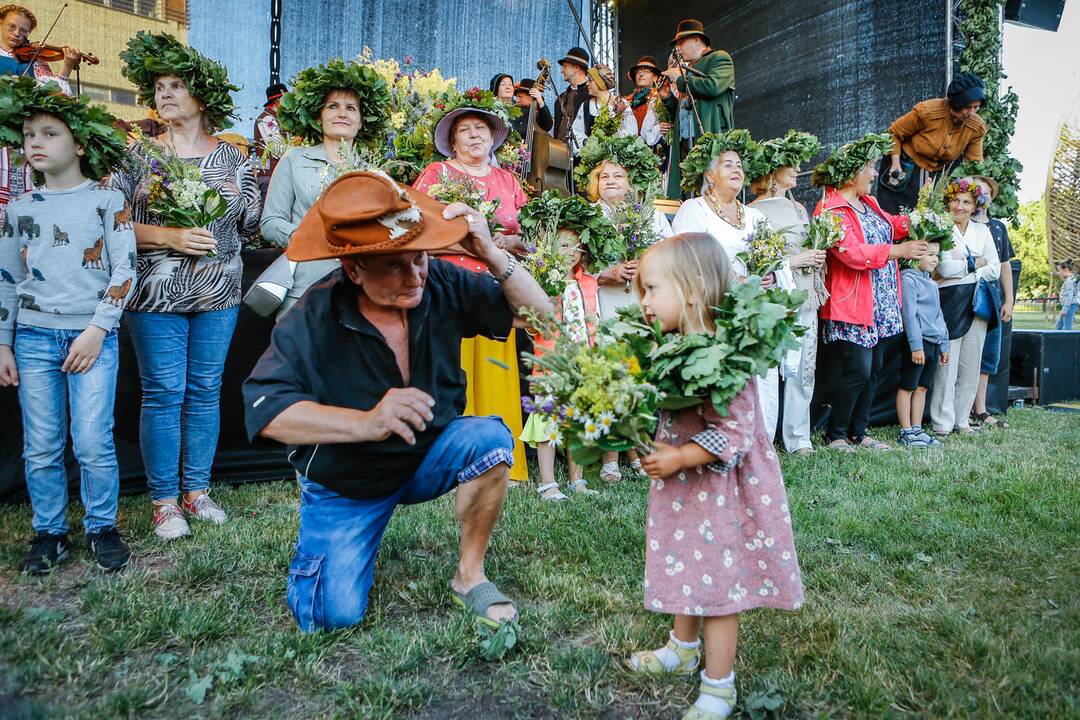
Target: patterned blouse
<point>887,318</point>
<point>169,281</point>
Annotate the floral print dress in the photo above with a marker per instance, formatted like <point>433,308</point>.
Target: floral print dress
<point>718,538</point>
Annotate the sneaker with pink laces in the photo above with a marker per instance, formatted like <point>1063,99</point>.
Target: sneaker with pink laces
<point>169,522</point>
<point>203,508</point>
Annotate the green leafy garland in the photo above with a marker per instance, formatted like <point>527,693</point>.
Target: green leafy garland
<point>550,210</point>
<point>792,150</point>
<point>708,147</point>
<point>754,328</point>
<point>847,160</point>
<point>301,108</point>
<point>21,98</point>
<point>641,163</point>
<point>982,56</point>
<point>152,55</point>
<point>477,99</point>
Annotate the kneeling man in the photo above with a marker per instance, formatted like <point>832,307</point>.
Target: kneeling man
<point>363,382</point>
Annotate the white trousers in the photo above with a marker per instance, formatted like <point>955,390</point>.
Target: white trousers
<point>956,384</point>
<point>799,389</point>
<point>768,389</point>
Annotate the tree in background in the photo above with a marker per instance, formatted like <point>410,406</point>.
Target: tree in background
<point>982,32</point>
<point>1029,242</point>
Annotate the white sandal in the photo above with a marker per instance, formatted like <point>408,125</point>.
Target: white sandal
<point>635,465</point>
<point>580,487</point>
<point>554,497</point>
<point>610,472</point>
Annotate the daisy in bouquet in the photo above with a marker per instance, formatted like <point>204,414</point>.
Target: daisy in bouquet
<point>931,220</point>
<point>453,188</point>
<point>823,232</point>
<point>766,250</point>
<point>176,191</point>
<point>595,398</point>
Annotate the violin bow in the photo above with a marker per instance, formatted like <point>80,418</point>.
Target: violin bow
<point>41,45</point>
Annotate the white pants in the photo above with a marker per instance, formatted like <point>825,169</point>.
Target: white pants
<point>799,389</point>
<point>957,383</point>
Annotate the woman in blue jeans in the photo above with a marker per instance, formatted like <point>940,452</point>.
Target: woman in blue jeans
<point>184,305</point>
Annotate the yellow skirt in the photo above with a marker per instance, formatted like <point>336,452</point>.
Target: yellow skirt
<point>494,389</point>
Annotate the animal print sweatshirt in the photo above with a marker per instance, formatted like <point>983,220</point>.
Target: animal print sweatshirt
<point>66,259</point>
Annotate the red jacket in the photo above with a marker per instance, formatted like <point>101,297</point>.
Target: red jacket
<point>847,276</point>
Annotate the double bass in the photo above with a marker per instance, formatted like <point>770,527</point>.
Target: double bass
<point>551,163</point>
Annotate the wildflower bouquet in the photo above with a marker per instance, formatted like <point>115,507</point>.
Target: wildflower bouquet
<point>754,328</point>
<point>352,160</point>
<point>823,232</point>
<point>766,250</point>
<point>551,210</point>
<point>930,220</point>
<point>633,221</point>
<point>549,267</point>
<point>595,396</point>
<point>462,188</point>
<point>513,155</point>
<point>176,191</point>
<point>607,122</point>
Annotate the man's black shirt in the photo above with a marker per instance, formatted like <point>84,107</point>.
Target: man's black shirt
<point>324,350</point>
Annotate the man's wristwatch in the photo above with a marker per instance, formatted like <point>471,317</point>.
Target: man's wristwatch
<point>511,266</point>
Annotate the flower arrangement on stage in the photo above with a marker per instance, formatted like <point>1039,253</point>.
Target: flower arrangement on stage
<point>766,250</point>
<point>823,232</point>
<point>594,396</point>
<point>453,188</point>
<point>753,329</point>
<point>848,160</point>
<point>413,95</point>
<point>552,209</point>
<point>176,191</point>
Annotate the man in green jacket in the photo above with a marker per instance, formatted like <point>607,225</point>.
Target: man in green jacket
<point>713,91</point>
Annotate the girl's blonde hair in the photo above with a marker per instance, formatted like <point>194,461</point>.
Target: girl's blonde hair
<point>700,271</point>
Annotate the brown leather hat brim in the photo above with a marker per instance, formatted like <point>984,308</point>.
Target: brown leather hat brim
<point>309,240</point>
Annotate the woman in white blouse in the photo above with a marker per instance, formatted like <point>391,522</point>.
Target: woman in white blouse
<point>973,257</point>
<point>720,213</point>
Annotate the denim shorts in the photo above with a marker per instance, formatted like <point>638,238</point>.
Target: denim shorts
<point>333,568</point>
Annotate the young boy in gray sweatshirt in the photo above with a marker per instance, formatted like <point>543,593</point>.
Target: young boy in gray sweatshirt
<point>67,251</point>
<point>928,343</point>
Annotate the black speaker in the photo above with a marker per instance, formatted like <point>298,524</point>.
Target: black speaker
<point>1049,360</point>
<point>1040,14</point>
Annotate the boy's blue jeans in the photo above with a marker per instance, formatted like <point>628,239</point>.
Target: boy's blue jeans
<point>333,568</point>
<point>50,397</point>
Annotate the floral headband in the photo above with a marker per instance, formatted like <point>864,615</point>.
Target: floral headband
<point>959,187</point>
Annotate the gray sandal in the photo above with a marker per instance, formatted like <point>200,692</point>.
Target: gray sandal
<point>480,598</point>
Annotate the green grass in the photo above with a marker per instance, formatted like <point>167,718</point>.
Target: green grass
<point>1034,320</point>
<point>939,584</point>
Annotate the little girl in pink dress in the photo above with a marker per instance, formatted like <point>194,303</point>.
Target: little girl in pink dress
<point>718,536</point>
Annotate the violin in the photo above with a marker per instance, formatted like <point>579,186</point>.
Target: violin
<point>49,53</point>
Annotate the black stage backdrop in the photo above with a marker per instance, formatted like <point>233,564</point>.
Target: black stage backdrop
<point>836,68</point>
<point>236,459</point>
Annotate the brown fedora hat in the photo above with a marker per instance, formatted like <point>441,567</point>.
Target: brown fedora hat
<point>366,213</point>
<point>689,28</point>
<point>645,61</point>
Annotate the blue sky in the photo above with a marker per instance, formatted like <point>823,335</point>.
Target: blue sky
<point>1044,70</point>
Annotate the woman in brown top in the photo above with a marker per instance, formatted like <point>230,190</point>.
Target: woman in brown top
<point>933,137</point>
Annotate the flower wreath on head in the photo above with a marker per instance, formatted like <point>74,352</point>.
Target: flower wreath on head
<point>846,161</point>
<point>300,112</point>
<point>551,211</point>
<point>476,99</point>
<point>153,55</point>
<point>104,146</point>
<point>707,148</point>
<point>642,165</point>
<point>966,185</point>
<point>792,150</point>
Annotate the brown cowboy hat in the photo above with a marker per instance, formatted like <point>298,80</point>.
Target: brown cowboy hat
<point>645,61</point>
<point>367,213</point>
<point>689,28</point>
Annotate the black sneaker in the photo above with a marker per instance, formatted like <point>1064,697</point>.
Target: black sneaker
<point>109,550</point>
<point>46,552</point>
